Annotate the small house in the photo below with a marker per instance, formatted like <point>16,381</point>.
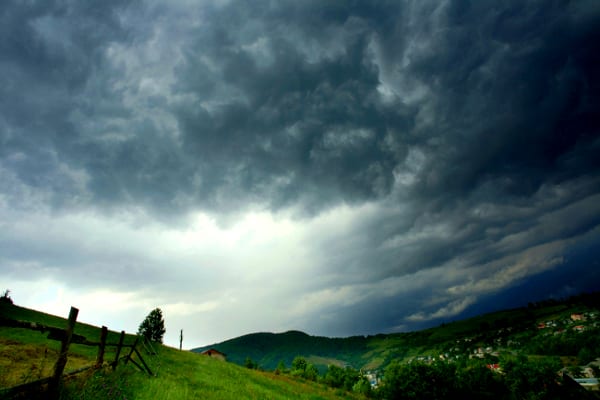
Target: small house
<point>494,367</point>
<point>588,383</point>
<point>215,354</point>
<point>577,317</point>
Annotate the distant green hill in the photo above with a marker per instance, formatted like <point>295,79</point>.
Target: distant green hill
<point>506,331</point>
<point>268,349</point>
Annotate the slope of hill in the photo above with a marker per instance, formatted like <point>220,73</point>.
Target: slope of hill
<point>507,330</point>
<point>185,375</point>
<point>27,355</point>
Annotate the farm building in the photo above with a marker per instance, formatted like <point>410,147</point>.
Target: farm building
<point>215,354</point>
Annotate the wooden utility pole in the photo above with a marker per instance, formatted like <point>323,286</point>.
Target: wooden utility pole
<point>180,339</point>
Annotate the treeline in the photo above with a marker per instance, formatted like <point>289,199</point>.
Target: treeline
<point>584,345</point>
<point>590,300</point>
<point>521,378</point>
<point>346,378</point>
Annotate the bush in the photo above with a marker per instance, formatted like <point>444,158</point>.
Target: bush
<point>301,368</point>
<point>363,386</point>
<point>337,377</point>
<point>532,378</point>
<point>419,381</point>
<point>250,364</point>
<point>281,368</point>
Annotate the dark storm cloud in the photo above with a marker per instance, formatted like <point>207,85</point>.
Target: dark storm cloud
<point>516,95</point>
<point>287,102</point>
<point>50,51</point>
<point>308,104</point>
<point>471,128</point>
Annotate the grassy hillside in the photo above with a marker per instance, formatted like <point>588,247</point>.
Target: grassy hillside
<point>27,355</point>
<point>185,375</point>
<point>505,330</point>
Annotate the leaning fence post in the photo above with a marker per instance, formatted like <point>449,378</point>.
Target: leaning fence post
<point>143,362</point>
<point>59,367</point>
<point>116,362</point>
<point>132,349</point>
<point>101,347</point>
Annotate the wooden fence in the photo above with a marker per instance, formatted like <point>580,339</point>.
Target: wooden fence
<point>67,337</point>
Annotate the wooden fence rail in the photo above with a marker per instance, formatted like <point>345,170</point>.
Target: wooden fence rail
<point>67,337</point>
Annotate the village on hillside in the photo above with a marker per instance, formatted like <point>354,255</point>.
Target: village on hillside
<point>493,345</point>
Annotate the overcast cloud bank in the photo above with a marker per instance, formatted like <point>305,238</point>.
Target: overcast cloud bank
<point>344,168</point>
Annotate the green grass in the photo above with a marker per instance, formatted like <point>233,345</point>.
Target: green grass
<point>27,355</point>
<point>325,361</point>
<point>182,375</point>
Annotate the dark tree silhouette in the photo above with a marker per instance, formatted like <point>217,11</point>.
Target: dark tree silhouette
<point>153,327</point>
<point>5,298</point>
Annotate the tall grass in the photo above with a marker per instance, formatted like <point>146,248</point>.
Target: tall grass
<point>185,375</point>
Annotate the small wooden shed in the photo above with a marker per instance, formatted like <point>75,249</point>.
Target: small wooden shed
<point>215,354</point>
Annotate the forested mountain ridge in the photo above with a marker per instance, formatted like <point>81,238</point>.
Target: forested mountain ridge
<point>563,327</point>
<point>268,349</point>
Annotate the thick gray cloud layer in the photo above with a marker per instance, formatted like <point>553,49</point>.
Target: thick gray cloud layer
<point>470,129</point>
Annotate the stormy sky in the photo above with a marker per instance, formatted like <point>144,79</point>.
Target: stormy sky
<point>338,167</point>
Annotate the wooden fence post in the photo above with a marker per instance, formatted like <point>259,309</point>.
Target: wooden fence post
<point>135,342</point>
<point>101,347</point>
<point>119,347</point>
<point>143,362</point>
<point>59,367</point>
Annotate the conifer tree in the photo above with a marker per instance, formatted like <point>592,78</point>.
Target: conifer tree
<point>153,327</point>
